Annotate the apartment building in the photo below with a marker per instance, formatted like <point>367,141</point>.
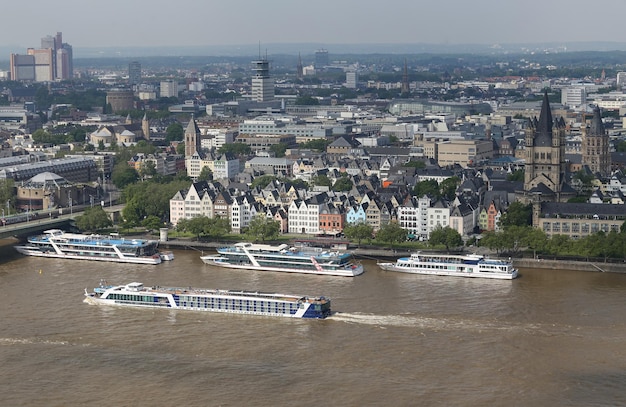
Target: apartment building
<point>577,220</point>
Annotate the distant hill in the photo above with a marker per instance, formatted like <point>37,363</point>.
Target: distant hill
<point>310,48</point>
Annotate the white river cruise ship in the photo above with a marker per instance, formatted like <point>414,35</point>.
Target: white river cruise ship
<point>469,265</point>
<point>59,244</point>
<point>285,258</point>
<point>239,302</point>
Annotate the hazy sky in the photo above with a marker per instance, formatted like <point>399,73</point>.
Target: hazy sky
<point>111,23</point>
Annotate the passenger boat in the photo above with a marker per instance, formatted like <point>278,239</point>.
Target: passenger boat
<point>166,256</point>
<point>470,265</point>
<point>239,302</point>
<point>64,245</point>
<point>283,258</point>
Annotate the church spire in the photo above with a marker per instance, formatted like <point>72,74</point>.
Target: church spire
<point>597,127</point>
<point>543,137</point>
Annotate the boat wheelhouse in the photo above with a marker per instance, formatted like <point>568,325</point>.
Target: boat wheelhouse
<point>59,244</point>
<point>285,258</point>
<point>469,265</point>
<point>239,302</point>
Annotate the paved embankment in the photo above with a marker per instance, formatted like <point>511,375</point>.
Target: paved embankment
<point>570,265</point>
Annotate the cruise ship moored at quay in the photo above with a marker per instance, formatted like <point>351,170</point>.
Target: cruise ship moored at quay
<point>239,302</point>
<point>285,258</point>
<point>469,265</point>
<point>59,244</point>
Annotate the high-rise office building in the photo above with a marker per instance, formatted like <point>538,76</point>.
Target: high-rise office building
<point>134,73</point>
<point>262,84</point>
<point>352,79</point>
<point>621,79</point>
<point>120,100</point>
<point>169,89</point>
<point>53,61</point>
<point>321,59</point>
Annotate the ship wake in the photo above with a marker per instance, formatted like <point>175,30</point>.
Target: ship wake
<point>436,324</point>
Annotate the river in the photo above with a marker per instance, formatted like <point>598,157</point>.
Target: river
<point>548,338</point>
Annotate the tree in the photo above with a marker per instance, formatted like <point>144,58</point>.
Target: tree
<point>174,132</point>
<point>343,184</point>
<point>217,227</point>
<point>93,219</point>
<point>321,180</point>
<point>391,233</point>
<point>517,214</point>
<point>262,181</point>
<point>180,148</point>
<point>445,236</point>
<point>237,149</point>
<point>415,164</point>
<point>535,239</point>
<point>197,225</point>
<point>7,194</point>
<point>448,187</point>
<point>279,149</point>
<point>133,213</point>
<point>517,175</point>
<point>429,187</point>
<point>358,231</point>
<point>263,228</point>
<point>152,222</point>
<point>317,144</point>
<point>123,175</point>
<point>307,101</point>
<point>205,174</point>
<point>148,169</point>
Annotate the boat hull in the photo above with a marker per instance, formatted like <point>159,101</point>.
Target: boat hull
<point>354,271</point>
<point>413,270</point>
<point>28,251</point>
<point>222,301</point>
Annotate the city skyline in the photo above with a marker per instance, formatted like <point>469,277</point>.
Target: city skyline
<point>158,24</point>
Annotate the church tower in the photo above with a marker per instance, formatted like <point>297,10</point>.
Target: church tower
<point>545,168</point>
<point>145,127</point>
<point>405,80</point>
<point>595,146</point>
<point>192,138</point>
<point>299,68</point>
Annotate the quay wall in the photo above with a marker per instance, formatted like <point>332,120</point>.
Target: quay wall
<point>570,265</point>
<point>371,253</point>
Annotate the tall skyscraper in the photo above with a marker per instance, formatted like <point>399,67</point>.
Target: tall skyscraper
<point>169,89</point>
<point>262,84</point>
<point>621,79</point>
<point>405,79</point>
<point>299,68</point>
<point>134,73</point>
<point>321,59</point>
<point>53,61</point>
<point>352,79</point>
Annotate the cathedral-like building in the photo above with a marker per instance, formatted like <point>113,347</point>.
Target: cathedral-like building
<point>595,146</point>
<point>545,172</point>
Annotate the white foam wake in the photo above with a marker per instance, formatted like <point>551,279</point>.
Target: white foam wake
<point>414,321</point>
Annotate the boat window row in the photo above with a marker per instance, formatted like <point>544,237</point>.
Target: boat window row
<point>237,304</point>
<point>138,299</point>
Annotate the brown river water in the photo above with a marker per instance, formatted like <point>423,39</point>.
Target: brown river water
<point>548,338</point>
